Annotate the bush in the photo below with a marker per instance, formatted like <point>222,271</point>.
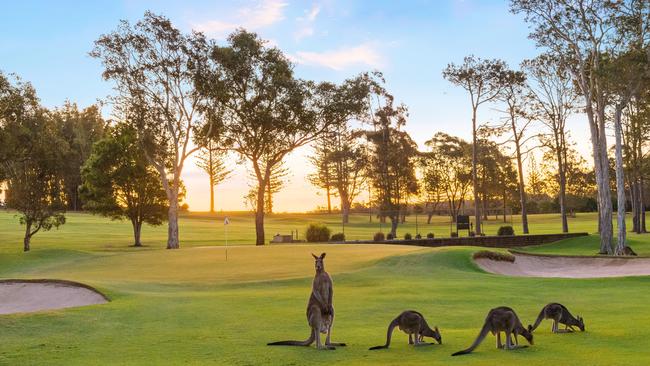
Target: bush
<point>378,237</point>
<point>390,236</point>
<point>472,234</point>
<point>418,236</point>
<point>495,256</point>
<point>430,236</point>
<point>506,230</point>
<point>408,236</point>
<point>454,234</point>
<point>338,237</point>
<point>317,233</point>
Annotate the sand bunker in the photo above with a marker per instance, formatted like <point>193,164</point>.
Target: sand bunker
<point>22,296</point>
<point>529,265</point>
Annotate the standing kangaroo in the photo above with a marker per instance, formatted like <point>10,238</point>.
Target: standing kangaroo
<point>501,319</point>
<point>320,311</point>
<point>412,323</point>
<point>560,315</point>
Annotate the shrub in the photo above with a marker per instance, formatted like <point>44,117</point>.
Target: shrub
<point>317,233</point>
<point>408,236</point>
<point>454,234</point>
<point>506,230</point>
<point>338,237</point>
<point>390,236</point>
<point>430,236</point>
<point>495,256</point>
<point>472,234</point>
<point>378,237</point>
<point>418,236</point>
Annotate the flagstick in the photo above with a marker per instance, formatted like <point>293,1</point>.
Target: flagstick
<point>226,228</point>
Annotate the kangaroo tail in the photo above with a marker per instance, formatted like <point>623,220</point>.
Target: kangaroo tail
<point>305,343</point>
<point>389,334</point>
<point>540,317</point>
<point>479,339</point>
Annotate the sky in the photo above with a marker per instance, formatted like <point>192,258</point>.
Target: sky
<point>411,42</point>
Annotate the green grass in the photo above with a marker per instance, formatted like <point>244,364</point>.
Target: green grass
<point>84,231</point>
<point>190,306</point>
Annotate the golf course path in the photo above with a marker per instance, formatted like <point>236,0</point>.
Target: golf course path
<point>534,265</point>
<point>23,296</point>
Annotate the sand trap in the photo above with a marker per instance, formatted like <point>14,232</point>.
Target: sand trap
<point>23,296</point>
<point>529,265</point>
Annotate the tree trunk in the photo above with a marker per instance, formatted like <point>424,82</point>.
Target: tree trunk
<point>259,215</point>
<point>505,202</point>
<point>137,229</point>
<point>211,195</point>
<point>28,236</point>
<point>642,205</point>
<point>345,207</point>
<point>560,148</point>
<point>520,174</point>
<point>269,196</point>
<point>620,183</point>
<point>394,221</point>
<point>329,199</point>
<point>172,225</point>
<point>477,203</point>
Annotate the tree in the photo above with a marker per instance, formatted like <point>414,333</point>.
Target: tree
<point>552,102</point>
<point>119,182</point>
<point>482,79</point>
<point>154,67</point>
<point>447,170</point>
<point>577,32</point>
<point>81,129</point>
<point>277,181</point>
<point>267,112</point>
<point>391,165</point>
<point>323,176</point>
<point>31,154</point>
<point>211,160</point>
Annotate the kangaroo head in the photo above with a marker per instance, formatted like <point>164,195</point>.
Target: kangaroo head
<point>319,264</point>
<point>528,335</point>
<point>581,323</point>
<point>433,333</point>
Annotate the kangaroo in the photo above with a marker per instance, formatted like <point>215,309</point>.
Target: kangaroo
<point>501,319</point>
<point>560,315</point>
<point>412,323</point>
<point>320,311</point>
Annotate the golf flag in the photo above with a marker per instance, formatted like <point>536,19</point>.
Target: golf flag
<point>226,221</point>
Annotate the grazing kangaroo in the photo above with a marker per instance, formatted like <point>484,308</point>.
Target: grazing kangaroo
<point>320,312</point>
<point>560,315</point>
<point>501,319</point>
<point>412,323</point>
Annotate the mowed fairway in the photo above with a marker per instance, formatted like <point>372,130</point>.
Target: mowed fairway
<point>190,306</point>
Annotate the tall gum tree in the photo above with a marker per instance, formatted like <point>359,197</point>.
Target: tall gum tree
<point>266,111</point>
<point>577,32</point>
<point>482,80</point>
<point>153,66</point>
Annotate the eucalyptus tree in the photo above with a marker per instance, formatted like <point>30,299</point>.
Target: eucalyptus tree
<point>578,33</point>
<point>446,170</point>
<point>482,79</point>
<point>153,67</point>
<point>267,112</point>
<point>552,100</point>
<point>517,122</point>
<point>120,183</point>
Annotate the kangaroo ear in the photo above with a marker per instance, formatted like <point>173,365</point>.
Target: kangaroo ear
<point>313,255</point>
<point>322,255</point>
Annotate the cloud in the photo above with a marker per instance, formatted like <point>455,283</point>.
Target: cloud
<point>306,23</point>
<point>263,14</point>
<point>365,54</point>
